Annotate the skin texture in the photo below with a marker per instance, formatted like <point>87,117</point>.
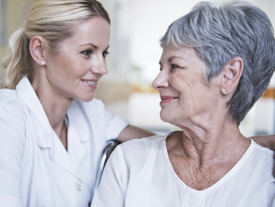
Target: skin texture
<point>210,143</point>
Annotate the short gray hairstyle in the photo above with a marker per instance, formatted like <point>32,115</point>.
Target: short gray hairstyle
<point>237,29</point>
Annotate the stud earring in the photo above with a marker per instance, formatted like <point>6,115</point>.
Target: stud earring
<point>43,62</point>
<point>223,90</point>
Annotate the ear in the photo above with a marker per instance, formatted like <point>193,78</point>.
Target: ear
<point>231,74</point>
<point>38,50</point>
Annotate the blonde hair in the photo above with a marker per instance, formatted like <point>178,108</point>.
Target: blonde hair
<point>51,19</point>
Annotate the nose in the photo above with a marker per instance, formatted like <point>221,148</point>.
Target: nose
<point>161,81</point>
<point>100,67</point>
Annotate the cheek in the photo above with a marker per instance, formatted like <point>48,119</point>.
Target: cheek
<point>66,70</point>
<point>185,84</point>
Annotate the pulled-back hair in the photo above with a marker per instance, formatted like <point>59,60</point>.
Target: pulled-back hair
<point>237,29</point>
<point>53,20</point>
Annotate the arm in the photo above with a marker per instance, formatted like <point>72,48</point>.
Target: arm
<point>119,128</point>
<point>132,132</point>
<point>110,192</point>
<point>266,141</point>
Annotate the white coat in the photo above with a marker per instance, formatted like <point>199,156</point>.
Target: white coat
<point>35,168</point>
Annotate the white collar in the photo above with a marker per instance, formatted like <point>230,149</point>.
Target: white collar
<point>26,92</point>
<point>48,138</point>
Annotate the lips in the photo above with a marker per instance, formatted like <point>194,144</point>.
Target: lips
<point>167,99</point>
<point>92,83</point>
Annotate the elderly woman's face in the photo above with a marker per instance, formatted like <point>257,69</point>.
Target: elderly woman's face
<point>183,90</point>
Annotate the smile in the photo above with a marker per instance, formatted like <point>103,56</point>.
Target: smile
<point>167,99</point>
<point>90,83</point>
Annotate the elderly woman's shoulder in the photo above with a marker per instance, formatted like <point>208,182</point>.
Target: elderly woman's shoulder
<point>138,153</point>
<point>261,151</point>
<point>147,145</point>
<point>152,141</point>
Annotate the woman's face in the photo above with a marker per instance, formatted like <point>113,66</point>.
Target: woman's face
<point>184,93</point>
<point>75,70</point>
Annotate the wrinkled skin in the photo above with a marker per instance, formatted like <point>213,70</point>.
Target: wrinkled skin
<point>182,76</point>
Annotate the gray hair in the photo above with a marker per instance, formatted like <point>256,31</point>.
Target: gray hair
<point>237,29</point>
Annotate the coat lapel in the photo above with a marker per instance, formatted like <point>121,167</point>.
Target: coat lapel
<point>60,156</point>
<point>76,149</point>
<point>86,124</point>
<point>78,133</point>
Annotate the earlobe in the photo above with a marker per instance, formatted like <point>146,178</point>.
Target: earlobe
<point>231,75</point>
<point>37,50</point>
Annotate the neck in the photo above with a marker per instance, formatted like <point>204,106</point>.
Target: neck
<point>54,104</point>
<point>210,144</point>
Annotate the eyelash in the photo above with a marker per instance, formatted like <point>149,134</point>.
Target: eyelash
<point>173,66</point>
<point>105,54</point>
<point>86,51</point>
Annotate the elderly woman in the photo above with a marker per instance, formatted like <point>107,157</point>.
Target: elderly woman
<point>216,63</point>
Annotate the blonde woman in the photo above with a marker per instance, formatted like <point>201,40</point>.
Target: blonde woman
<point>52,129</point>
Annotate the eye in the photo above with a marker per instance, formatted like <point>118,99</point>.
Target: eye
<point>105,54</point>
<point>87,52</point>
<point>173,66</point>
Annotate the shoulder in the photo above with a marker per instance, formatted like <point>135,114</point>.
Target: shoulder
<point>141,150</point>
<point>146,143</point>
<point>262,152</point>
<point>261,162</point>
<point>14,115</point>
<point>11,106</point>
<point>7,96</point>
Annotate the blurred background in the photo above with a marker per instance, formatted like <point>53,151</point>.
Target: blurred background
<point>136,27</point>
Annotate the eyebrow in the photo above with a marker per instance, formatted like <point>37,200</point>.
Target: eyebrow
<point>107,47</point>
<point>173,57</point>
<point>90,44</point>
<point>94,45</point>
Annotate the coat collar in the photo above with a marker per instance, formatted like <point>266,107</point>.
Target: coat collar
<point>26,92</point>
<point>47,137</point>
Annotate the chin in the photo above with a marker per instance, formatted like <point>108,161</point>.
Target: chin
<point>86,98</point>
<point>164,117</point>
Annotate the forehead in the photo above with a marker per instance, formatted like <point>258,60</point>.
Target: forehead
<point>185,53</point>
<point>95,30</point>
